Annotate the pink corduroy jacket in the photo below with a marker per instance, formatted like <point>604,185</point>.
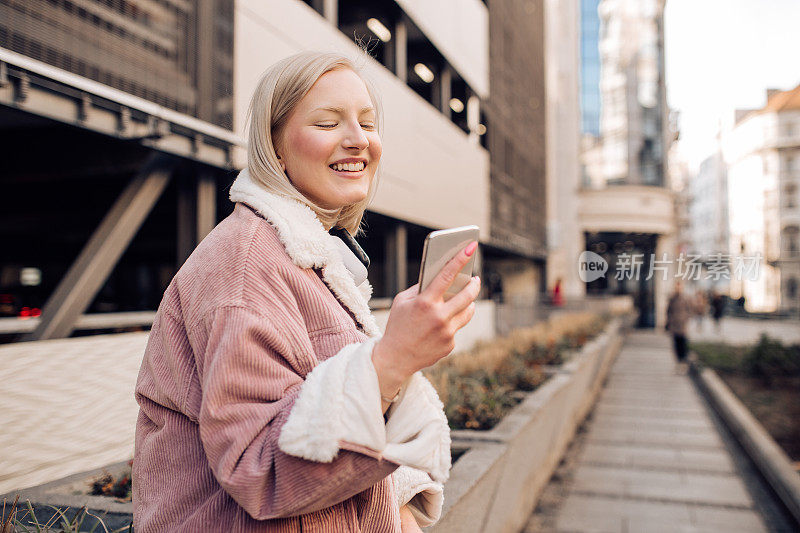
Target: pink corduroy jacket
<point>259,404</point>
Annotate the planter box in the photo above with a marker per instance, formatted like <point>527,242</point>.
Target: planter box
<point>69,495</point>
<point>495,485</point>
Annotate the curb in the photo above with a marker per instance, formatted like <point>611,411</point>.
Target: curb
<point>769,458</point>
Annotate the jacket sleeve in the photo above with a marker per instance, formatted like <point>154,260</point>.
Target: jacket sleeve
<point>423,496</point>
<point>249,386</point>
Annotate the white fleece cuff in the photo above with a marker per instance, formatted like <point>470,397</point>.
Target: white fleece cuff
<point>422,495</point>
<point>340,402</point>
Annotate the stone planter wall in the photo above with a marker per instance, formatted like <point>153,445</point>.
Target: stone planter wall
<point>495,485</point>
<point>70,494</point>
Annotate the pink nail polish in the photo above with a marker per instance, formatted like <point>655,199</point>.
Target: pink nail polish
<point>470,249</point>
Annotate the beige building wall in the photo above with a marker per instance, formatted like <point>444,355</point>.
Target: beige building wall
<point>432,173</point>
<point>562,68</point>
<point>460,31</point>
<point>754,149</point>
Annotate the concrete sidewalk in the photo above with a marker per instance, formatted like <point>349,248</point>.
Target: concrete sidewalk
<point>67,406</point>
<point>652,458</point>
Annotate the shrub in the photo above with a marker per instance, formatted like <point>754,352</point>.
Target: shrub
<point>770,359</point>
<point>476,386</point>
<point>720,356</point>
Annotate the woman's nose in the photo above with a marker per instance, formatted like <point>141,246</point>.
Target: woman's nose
<point>355,138</point>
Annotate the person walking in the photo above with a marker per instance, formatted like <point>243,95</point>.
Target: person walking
<point>717,310</point>
<point>269,399</point>
<point>679,311</point>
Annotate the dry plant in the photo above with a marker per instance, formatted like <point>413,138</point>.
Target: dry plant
<point>476,386</point>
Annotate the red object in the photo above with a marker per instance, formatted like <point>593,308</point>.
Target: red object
<point>558,300</point>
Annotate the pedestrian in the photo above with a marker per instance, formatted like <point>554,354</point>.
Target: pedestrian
<point>679,311</point>
<point>269,401</point>
<point>717,310</point>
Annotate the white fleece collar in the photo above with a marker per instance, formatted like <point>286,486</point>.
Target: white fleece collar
<point>308,245</point>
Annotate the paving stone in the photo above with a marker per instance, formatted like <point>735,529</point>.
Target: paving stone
<point>648,436</point>
<point>659,457</point>
<point>717,519</point>
<point>596,513</point>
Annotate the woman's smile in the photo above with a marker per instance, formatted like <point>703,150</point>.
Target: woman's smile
<point>349,168</point>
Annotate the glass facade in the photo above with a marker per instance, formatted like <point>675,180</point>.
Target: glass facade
<point>590,68</point>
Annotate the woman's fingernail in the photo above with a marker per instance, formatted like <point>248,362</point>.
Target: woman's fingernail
<point>471,248</point>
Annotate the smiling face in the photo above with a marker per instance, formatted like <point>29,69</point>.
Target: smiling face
<point>329,146</point>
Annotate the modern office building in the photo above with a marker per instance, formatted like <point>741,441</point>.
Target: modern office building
<point>626,207</point>
<point>761,151</point>
<point>517,141</point>
<point>139,110</point>
<point>590,67</point>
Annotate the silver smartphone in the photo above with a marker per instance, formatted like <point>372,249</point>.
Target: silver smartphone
<point>439,248</point>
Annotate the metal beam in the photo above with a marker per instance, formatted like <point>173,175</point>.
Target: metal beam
<point>46,91</point>
<point>101,253</point>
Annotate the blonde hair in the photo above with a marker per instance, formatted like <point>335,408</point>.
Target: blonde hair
<point>280,89</point>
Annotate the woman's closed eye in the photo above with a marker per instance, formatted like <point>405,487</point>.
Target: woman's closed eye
<point>330,125</point>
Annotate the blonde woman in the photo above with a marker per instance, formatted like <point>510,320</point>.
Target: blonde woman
<point>269,400</point>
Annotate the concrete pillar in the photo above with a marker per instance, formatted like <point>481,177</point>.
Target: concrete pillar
<point>330,10</point>
<point>206,205</point>
<point>396,273</point>
<point>473,105</point>
<point>185,223</point>
<point>204,59</point>
<point>445,86</point>
<point>401,51</point>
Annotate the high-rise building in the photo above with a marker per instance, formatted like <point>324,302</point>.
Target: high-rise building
<point>761,151</point>
<point>515,113</point>
<point>590,67</point>
<point>708,208</point>
<point>626,209</point>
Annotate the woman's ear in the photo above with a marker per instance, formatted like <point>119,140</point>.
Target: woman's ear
<point>281,163</point>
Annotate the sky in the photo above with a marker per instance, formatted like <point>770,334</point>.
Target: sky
<point>722,55</point>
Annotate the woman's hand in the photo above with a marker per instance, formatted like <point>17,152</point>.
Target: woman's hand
<point>422,326</point>
<point>408,524</point>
